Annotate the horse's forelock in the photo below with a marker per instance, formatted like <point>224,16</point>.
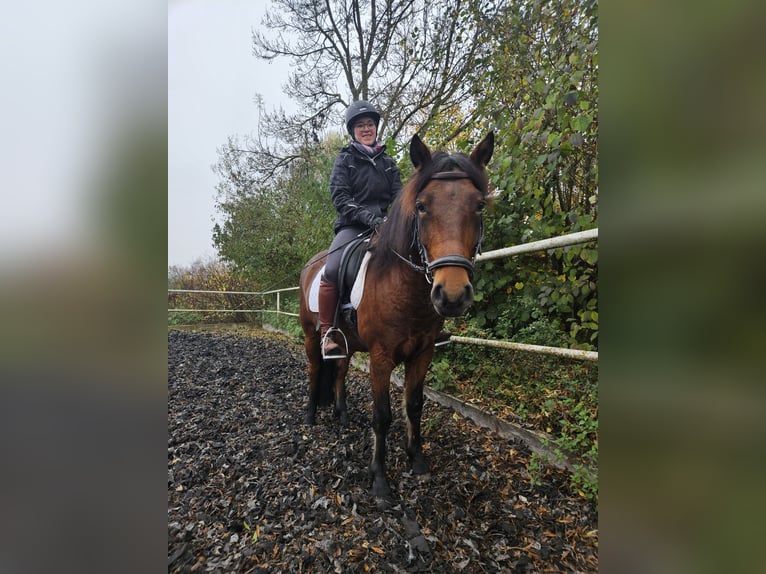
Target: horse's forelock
<point>442,161</point>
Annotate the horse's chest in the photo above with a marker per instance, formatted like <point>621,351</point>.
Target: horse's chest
<point>412,312</point>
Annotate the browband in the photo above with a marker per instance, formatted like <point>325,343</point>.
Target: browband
<point>450,175</point>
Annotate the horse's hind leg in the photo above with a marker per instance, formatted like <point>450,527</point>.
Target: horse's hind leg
<point>340,407</point>
<point>314,359</point>
<point>414,375</point>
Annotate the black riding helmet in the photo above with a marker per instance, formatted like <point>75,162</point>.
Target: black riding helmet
<point>360,109</point>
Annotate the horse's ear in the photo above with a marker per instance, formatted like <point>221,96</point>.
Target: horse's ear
<point>483,152</point>
<point>420,155</point>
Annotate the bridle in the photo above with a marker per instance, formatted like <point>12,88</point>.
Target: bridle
<point>427,266</point>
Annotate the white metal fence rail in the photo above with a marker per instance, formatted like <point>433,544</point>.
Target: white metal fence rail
<point>558,351</point>
<point>278,292</point>
<point>542,245</point>
<point>533,246</point>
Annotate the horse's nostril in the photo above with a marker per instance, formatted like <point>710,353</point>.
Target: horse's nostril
<point>437,293</point>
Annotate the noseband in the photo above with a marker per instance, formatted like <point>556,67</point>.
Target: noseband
<point>427,267</point>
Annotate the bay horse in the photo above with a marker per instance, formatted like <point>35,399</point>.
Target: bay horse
<point>419,272</point>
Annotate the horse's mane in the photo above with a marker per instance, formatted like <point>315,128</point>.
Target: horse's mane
<point>397,233</point>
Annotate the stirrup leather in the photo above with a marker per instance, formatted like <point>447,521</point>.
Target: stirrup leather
<point>339,354</point>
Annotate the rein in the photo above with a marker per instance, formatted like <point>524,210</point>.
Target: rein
<point>428,267</point>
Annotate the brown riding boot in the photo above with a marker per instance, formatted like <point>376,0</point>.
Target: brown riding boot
<point>328,302</point>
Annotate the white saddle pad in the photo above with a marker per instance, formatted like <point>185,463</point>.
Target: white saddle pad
<point>314,291</point>
<point>356,292</point>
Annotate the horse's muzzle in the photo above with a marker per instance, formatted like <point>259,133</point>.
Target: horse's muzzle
<point>451,298</point>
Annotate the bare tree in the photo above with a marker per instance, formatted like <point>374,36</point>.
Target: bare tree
<point>412,58</point>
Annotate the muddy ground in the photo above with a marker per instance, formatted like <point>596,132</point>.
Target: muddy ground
<point>251,488</point>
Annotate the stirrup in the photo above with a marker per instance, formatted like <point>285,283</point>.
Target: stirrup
<point>339,354</point>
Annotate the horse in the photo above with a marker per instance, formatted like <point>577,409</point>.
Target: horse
<point>420,270</point>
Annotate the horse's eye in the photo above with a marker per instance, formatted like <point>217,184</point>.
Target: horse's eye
<point>481,206</point>
<point>420,207</point>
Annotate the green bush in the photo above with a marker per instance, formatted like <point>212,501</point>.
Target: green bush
<point>284,323</point>
<point>289,303</point>
<point>185,318</point>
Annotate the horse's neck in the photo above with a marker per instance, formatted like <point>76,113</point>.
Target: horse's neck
<point>409,283</point>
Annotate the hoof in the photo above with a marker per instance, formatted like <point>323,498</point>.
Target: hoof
<point>342,416</point>
<point>419,466</point>
<point>384,504</point>
<point>381,489</point>
<point>310,420</point>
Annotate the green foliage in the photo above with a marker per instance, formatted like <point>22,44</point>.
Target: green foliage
<point>542,97</point>
<point>269,231</point>
<point>185,318</point>
<point>536,468</point>
<point>579,433</point>
<point>289,303</point>
<point>557,396</point>
<point>441,375</point>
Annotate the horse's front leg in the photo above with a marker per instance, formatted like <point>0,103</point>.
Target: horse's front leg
<point>414,375</point>
<point>380,378</point>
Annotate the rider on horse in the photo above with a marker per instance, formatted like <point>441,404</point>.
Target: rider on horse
<point>363,184</point>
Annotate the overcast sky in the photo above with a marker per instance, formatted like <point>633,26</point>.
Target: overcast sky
<point>212,80</point>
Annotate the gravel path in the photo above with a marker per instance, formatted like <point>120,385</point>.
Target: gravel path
<point>253,489</point>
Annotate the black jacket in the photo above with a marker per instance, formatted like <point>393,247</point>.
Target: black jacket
<point>363,187</point>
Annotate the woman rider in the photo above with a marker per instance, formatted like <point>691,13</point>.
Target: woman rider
<point>363,184</point>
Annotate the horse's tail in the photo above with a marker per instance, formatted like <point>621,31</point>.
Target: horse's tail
<point>326,383</point>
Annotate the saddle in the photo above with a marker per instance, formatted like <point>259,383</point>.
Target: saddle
<point>350,263</point>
